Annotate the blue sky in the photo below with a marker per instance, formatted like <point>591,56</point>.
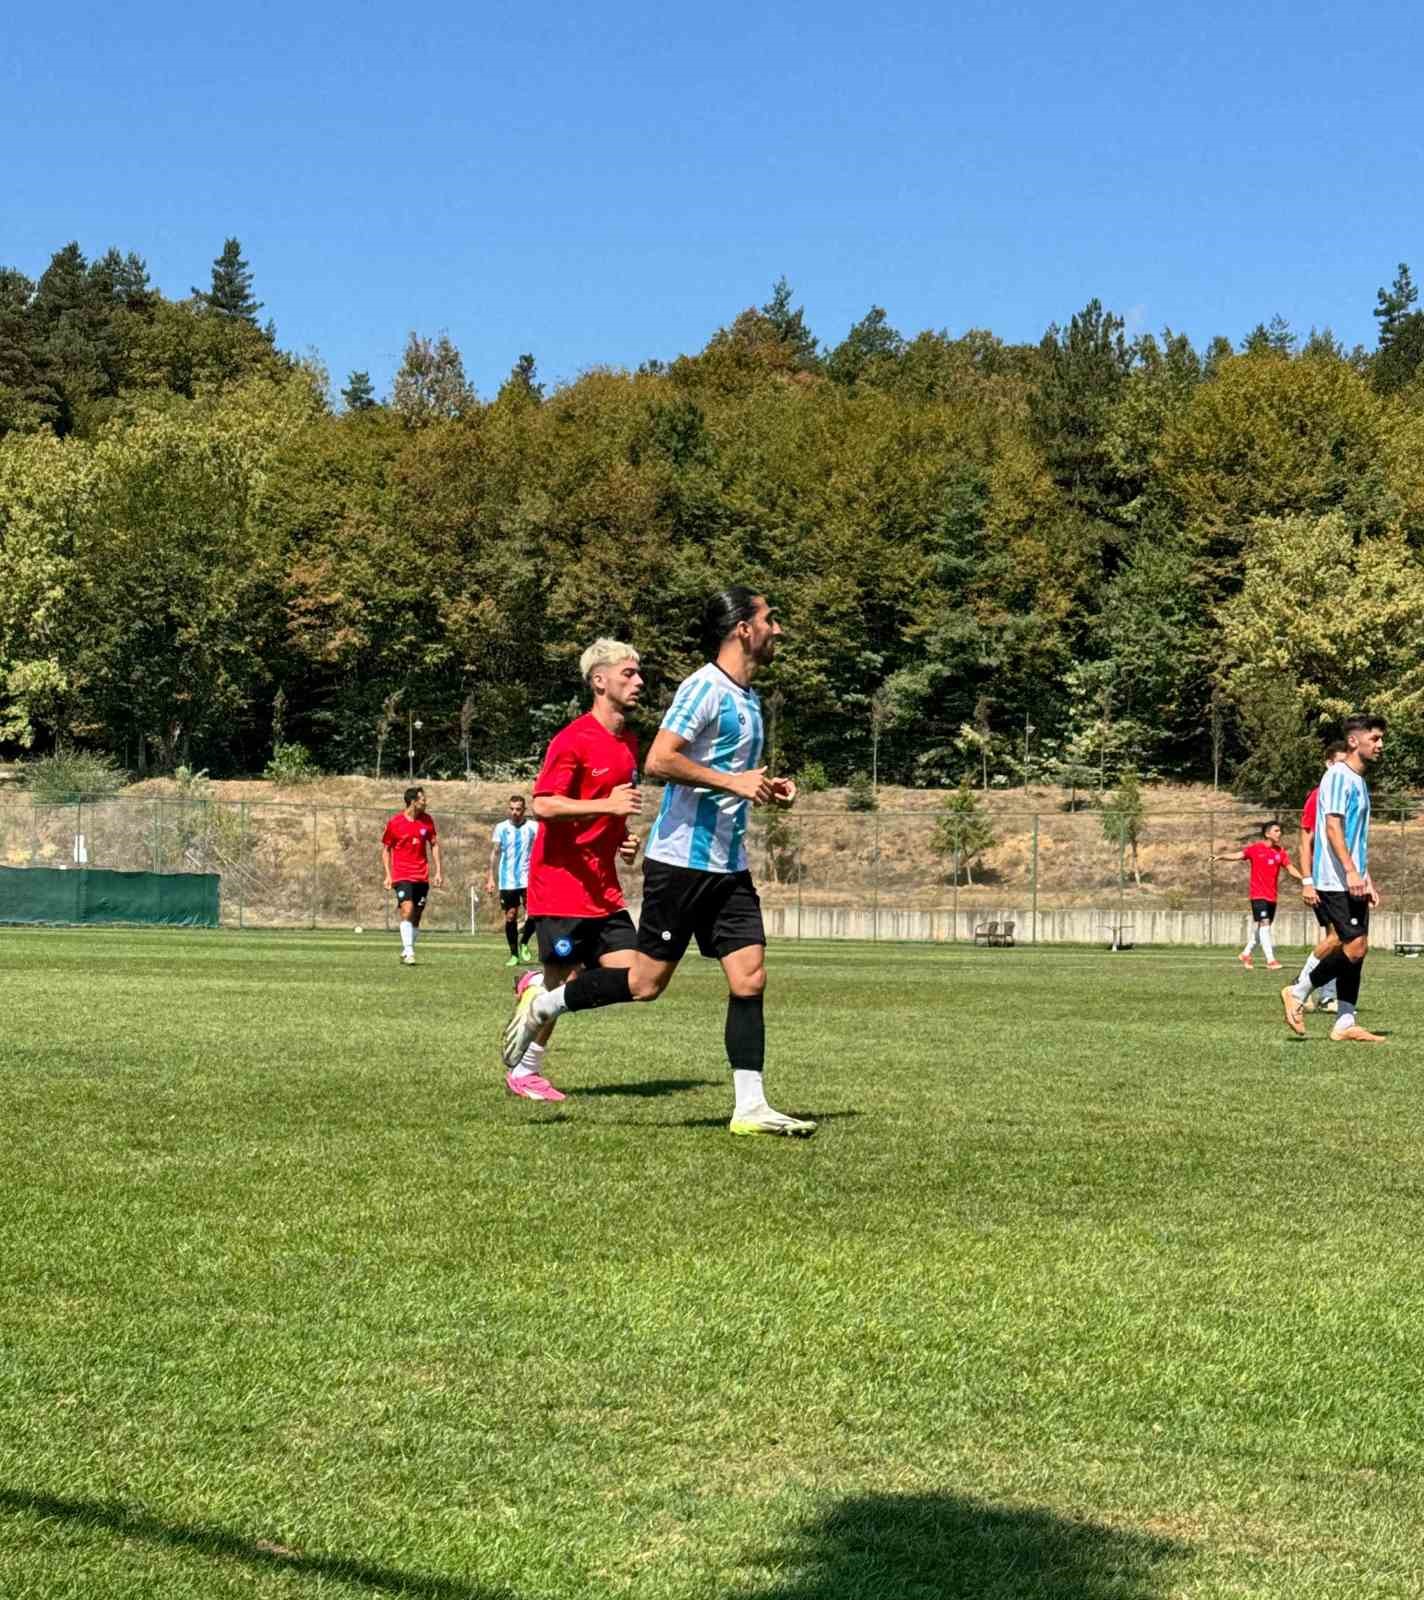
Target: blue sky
<point>606,184</point>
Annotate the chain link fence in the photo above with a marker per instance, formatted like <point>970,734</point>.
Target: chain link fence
<point>1057,875</point>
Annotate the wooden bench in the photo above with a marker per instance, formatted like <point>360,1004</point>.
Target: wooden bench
<point>1121,935</point>
<point>995,933</point>
<point>1407,947</point>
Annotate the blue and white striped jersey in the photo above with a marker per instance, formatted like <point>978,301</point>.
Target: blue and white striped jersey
<point>721,723</point>
<point>1344,794</point>
<point>514,847</point>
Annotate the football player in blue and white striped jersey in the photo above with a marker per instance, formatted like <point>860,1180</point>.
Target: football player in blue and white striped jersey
<point>511,844</point>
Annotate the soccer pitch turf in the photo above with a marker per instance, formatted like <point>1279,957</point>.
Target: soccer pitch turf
<point>1094,1285</point>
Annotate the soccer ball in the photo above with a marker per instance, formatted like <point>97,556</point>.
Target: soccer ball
<point>358,929</point>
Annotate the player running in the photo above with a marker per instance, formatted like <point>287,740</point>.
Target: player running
<point>408,848</point>
<point>511,844</point>
<point>1340,877</point>
<point>1329,943</point>
<point>695,879</point>
<point>584,795</point>
<point>1268,860</point>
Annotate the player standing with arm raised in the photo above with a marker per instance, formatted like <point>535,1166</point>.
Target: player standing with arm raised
<point>1268,860</point>
<point>1341,880</point>
<point>409,846</point>
<point>695,880</point>
<point>1329,941</point>
<point>511,845</point>
<point>583,797</point>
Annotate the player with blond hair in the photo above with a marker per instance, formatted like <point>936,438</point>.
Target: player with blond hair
<point>585,793</point>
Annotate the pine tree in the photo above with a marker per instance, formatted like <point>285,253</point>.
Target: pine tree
<point>789,325</point>
<point>1394,304</point>
<point>231,291</point>
<point>963,831</point>
<point>359,393</point>
<point>522,385</point>
<point>1401,334</point>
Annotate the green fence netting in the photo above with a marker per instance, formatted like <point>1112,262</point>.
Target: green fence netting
<point>92,895</point>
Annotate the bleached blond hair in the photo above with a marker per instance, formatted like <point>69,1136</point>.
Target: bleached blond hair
<point>605,653</point>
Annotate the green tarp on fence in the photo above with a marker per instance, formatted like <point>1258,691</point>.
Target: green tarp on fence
<point>88,894</point>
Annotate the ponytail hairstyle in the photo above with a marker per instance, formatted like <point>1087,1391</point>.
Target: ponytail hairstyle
<point>723,611</point>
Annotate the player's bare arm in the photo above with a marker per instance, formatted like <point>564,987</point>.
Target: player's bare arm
<point>1308,891</point>
<point>1236,855</point>
<point>492,869</point>
<point>386,863</point>
<point>624,801</point>
<point>666,761</point>
<point>438,882</point>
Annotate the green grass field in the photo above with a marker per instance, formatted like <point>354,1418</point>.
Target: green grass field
<point>1093,1286</point>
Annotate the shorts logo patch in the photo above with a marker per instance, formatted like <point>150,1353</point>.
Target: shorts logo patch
<point>667,933</point>
<point>563,947</point>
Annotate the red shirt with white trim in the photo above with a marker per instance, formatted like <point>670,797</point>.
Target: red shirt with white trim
<point>573,869</point>
<point>1307,811</point>
<point>409,840</point>
<point>1268,861</point>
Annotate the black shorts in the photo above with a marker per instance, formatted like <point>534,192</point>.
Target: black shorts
<point>512,899</point>
<point>722,910</point>
<point>1321,918</point>
<point>1263,911</point>
<point>582,941</point>
<point>1349,917</point>
<point>416,893</point>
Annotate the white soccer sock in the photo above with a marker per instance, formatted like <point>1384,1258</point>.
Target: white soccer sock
<point>1251,942</point>
<point>748,1092</point>
<point>549,1005</point>
<point>1301,989</point>
<point>530,1062</point>
<point>1345,1018</point>
<point>1266,943</point>
<point>1312,961</point>
<point>407,933</point>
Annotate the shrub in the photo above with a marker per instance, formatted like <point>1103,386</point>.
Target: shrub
<point>860,793</point>
<point>72,775</point>
<point>291,764</point>
<point>812,778</point>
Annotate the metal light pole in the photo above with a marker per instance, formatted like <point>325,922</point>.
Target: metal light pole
<point>413,726</point>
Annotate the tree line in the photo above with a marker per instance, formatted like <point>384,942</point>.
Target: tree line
<point>1045,561</point>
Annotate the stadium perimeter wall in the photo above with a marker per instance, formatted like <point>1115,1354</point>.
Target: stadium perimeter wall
<point>823,872</point>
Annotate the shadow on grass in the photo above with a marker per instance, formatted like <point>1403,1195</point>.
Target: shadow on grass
<point>951,1547</point>
<point>721,1122</point>
<point>646,1091</point>
<point>126,1522</point>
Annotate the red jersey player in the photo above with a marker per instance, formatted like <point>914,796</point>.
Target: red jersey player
<point>1268,860</point>
<point>408,847</point>
<point>1329,941</point>
<point>587,790</point>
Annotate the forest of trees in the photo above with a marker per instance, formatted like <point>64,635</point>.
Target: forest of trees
<point>1077,554</point>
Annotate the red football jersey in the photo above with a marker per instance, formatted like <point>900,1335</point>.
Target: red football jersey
<point>409,840</point>
<point>1307,811</point>
<point>1267,864</point>
<point>572,869</point>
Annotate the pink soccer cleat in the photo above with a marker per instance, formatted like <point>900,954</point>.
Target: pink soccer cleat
<point>531,1086</point>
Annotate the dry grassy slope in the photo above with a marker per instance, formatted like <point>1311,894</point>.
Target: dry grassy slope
<point>838,849</point>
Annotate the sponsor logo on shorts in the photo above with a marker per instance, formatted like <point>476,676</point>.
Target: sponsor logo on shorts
<point>563,947</point>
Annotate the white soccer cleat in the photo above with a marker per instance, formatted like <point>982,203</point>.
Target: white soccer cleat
<point>522,1028</point>
<point>408,958</point>
<point>762,1119</point>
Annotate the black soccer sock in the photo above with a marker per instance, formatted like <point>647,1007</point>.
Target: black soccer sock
<point>599,986</point>
<point>511,936</point>
<point>746,1032</point>
<point>1330,970</point>
<point>526,931</point>
<point>1349,986</point>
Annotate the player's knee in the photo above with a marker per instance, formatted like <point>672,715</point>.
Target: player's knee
<point>645,985</point>
<point>748,985</point>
